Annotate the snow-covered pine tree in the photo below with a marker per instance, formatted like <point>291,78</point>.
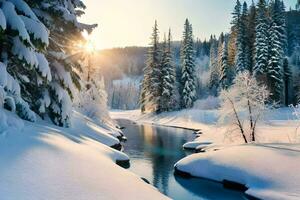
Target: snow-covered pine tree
<point>188,93</point>
<point>168,99</point>
<point>151,86</point>
<point>277,42</point>
<point>198,46</point>
<point>242,42</point>
<point>226,74</point>
<point>261,41</point>
<point>220,52</point>
<point>251,36</point>
<point>92,102</point>
<point>298,5</point>
<point>61,18</point>
<point>213,65</point>
<point>24,69</point>
<point>145,88</point>
<point>236,15</point>
<point>287,77</point>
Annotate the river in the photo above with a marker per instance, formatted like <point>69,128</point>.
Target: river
<point>153,151</point>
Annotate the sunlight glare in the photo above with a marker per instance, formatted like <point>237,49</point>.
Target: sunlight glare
<point>89,46</point>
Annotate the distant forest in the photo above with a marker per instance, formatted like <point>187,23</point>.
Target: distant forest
<point>128,63</point>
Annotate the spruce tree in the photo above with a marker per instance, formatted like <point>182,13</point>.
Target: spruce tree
<point>168,99</point>
<point>261,41</point>
<point>232,43</point>
<point>220,52</point>
<point>188,93</point>
<point>277,43</point>
<point>226,74</point>
<point>61,18</point>
<point>242,42</point>
<point>213,65</point>
<point>24,68</point>
<point>151,86</point>
<point>251,36</point>
<point>274,71</point>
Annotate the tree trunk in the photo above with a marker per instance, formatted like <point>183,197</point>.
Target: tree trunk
<point>251,122</point>
<point>238,121</point>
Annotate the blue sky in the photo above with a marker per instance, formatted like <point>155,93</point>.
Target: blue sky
<point>129,22</point>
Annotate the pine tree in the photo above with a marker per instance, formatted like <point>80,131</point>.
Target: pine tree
<point>261,42</point>
<point>213,65</point>
<point>60,17</point>
<point>232,43</point>
<point>188,93</point>
<point>298,5</point>
<point>287,77</point>
<point>220,52</point>
<point>226,75</point>
<point>242,42</point>
<point>168,99</point>
<point>251,36</point>
<point>236,14</point>
<point>151,86</point>
<point>277,43</point>
<point>24,68</point>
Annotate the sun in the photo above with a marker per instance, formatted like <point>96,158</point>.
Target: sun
<point>89,47</point>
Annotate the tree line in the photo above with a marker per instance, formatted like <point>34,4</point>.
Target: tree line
<point>263,40</point>
<point>257,43</point>
<point>160,84</point>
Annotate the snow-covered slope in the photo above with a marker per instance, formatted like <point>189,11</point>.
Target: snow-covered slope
<point>42,161</point>
<point>270,171</point>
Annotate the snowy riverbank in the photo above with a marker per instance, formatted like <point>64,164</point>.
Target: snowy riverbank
<point>42,161</point>
<point>279,125</point>
<point>266,170</point>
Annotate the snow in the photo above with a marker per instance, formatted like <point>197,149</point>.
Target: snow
<point>24,8</point>
<point>44,66</point>
<point>64,76</point>
<point>14,21</point>
<point>24,53</point>
<point>2,20</point>
<point>196,144</point>
<point>37,29</point>
<point>64,99</point>
<point>273,178</point>
<point>43,161</point>
<point>3,77</point>
<point>269,168</point>
<point>91,130</point>
<point>279,125</point>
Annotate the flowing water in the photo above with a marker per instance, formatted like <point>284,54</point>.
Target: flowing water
<point>154,150</point>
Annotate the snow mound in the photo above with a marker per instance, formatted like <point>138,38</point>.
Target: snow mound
<point>196,144</point>
<point>268,171</point>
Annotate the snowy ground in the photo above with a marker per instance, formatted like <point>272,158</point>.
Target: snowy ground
<point>42,161</point>
<point>269,169</point>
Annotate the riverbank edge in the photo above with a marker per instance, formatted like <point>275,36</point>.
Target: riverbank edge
<point>230,185</point>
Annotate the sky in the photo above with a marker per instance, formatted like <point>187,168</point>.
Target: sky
<point>129,22</point>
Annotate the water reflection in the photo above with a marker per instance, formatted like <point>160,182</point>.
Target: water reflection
<point>155,150</point>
